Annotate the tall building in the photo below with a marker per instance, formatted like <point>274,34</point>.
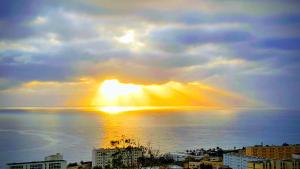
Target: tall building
<point>51,162</point>
<point>238,161</point>
<point>104,156</point>
<point>273,152</point>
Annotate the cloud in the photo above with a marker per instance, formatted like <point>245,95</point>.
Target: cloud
<point>292,43</point>
<point>181,41</point>
<point>25,72</point>
<point>176,39</point>
<point>84,92</point>
<point>50,93</point>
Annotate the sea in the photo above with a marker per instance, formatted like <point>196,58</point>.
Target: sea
<point>31,134</point>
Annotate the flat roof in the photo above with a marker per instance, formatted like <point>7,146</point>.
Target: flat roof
<point>33,162</point>
<point>289,145</point>
<point>243,155</point>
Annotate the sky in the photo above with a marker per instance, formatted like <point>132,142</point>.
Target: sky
<point>58,52</point>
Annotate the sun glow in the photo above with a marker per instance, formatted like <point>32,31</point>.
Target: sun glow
<point>114,97</point>
<point>116,109</point>
<point>119,109</point>
<point>130,40</point>
<point>113,89</point>
<point>129,37</point>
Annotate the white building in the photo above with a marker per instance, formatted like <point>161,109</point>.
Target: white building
<point>51,162</point>
<point>180,156</point>
<point>296,156</point>
<point>238,161</point>
<point>104,157</point>
<point>174,167</point>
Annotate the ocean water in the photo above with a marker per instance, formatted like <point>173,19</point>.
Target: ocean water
<point>27,135</point>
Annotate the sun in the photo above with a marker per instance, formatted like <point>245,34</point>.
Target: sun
<point>112,89</point>
<point>112,93</point>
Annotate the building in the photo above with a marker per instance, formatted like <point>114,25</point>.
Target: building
<point>224,167</point>
<point>296,156</point>
<point>214,163</point>
<point>104,156</point>
<point>180,156</point>
<point>192,165</point>
<point>259,165</point>
<point>276,164</point>
<point>81,165</point>
<point>174,167</point>
<point>51,162</point>
<point>273,152</point>
<point>238,161</point>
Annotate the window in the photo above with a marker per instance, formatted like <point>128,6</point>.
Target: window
<point>36,166</point>
<point>54,166</point>
<point>16,167</point>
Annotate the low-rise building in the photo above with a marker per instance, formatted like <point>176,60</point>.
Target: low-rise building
<point>50,162</point>
<point>296,156</point>
<point>81,165</point>
<point>104,156</point>
<point>214,163</point>
<point>239,161</point>
<point>193,165</point>
<point>174,167</point>
<point>180,156</point>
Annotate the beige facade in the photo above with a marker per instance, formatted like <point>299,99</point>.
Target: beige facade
<point>274,164</point>
<point>196,164</point>
<point>273,152</point>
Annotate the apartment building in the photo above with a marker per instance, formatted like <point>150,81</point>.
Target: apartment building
<point>50,162</point>
<point>104,156</point>
<point>273,152</point>
<point>238,161</point>
<point>293,163</point>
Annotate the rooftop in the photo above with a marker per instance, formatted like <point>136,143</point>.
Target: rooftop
<point>32,162</point>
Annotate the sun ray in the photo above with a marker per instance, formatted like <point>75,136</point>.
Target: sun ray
<point>114,97</point>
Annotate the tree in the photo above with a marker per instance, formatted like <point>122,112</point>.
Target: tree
<point>285,144</point>
<point>125,148</point>
<point>125,153</point>
<point>72,164</point>
<point>204,166</point>
<point>117,162</point>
